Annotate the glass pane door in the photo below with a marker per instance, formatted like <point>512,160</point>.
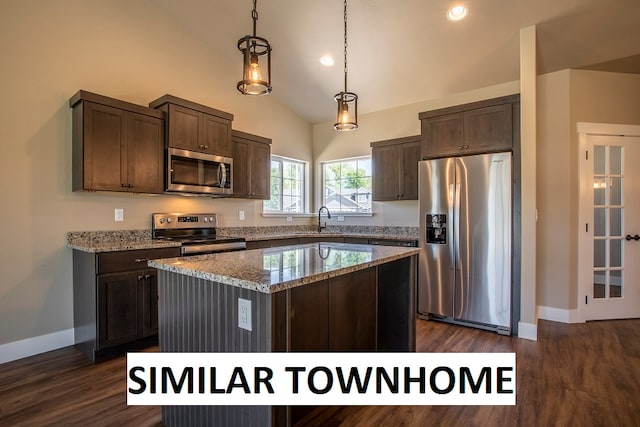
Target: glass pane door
<point>608,215</point>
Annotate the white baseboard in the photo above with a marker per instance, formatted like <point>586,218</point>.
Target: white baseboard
<point>36,345</point>
<point>528,331</point>
<point>558,314</point>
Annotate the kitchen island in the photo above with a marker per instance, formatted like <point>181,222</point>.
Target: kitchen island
<point>309,297</point>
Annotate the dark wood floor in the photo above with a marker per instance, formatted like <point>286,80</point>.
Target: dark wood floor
<point>574,375</point>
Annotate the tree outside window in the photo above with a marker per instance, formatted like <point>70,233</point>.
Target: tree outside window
<point>347,185</point>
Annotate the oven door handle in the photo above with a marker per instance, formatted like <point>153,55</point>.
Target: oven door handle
<point>222,174</point>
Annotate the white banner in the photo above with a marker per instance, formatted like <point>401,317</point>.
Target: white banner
<point>321,379</point>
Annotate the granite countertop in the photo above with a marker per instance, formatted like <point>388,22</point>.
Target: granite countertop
<point>111,241</point>
<point>124,240</point>
<point>276,269</point>
<point>284,232</point>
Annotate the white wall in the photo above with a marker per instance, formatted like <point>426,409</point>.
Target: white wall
<point>118,48</point>
<point>565,98</point>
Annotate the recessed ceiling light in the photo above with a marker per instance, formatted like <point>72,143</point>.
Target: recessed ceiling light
<point>456,13</point>
<point>327,61</point>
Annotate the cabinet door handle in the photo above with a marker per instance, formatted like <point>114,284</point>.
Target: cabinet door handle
<point>139,260</point>
<point>140,277</point>
<point>466,147</point>
<point>460,147</point>
<point>123,185</point>
<point>129,185</point>
<point>147,276</point>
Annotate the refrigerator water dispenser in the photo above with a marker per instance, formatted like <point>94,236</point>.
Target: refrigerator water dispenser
<point>437,229</point>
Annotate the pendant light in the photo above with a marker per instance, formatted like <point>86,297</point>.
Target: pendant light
<point>256,70</point>
<point>347,101</point>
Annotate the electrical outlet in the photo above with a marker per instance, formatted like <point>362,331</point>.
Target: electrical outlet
<point>244,314</point>
<point>340,218</point>
<point>241,215</point>
<point>119,215</point>
<point>289,218</point>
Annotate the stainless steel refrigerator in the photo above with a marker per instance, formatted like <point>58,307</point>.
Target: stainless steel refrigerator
<point>465,235</point>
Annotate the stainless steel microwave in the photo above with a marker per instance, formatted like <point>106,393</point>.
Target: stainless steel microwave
<point>194,172</point>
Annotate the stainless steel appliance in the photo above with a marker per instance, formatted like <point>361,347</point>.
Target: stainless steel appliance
<point>196,232</point>
<point>465,234</point>
<point>194,172</point>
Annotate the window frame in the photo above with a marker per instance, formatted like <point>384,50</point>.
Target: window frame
<point>304,185</point>
<point>320,185</point>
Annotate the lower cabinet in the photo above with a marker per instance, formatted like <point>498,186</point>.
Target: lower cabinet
<point>272,243</point>
<point>127,307</point>
<point>337,314</point>
<point>115,300</point>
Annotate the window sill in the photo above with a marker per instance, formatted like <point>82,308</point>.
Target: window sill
<point>285,214</point>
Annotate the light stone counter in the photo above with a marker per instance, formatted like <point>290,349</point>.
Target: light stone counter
<point>124,240</point>
<point>276,269</point>
<point>112,241</point>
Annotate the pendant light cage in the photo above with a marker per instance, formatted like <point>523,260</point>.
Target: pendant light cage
<point>347,118</point>
<point>256,67</point>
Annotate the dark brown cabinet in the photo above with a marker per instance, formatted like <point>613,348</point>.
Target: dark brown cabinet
<point>117,146</point>
<point>337,314</point>
<point>479,127</point>
<point>272,243</point>
<point>251,166</point>
<point>196,127</point>
<point>115,300</point>
<point>395,168</point>
<point>352,312</point>
<point>119,298</point>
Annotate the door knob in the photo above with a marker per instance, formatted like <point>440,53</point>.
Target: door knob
<point>630,237</point>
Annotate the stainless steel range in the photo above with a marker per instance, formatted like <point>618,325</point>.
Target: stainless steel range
<point>196,232</point>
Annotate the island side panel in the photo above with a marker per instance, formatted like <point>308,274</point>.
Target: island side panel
<point>397,305</point>
<point>197,315</point>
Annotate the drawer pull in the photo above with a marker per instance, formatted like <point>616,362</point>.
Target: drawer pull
<point>139,260</point>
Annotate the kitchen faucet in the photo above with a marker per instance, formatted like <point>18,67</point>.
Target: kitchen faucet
<point>320,227</point>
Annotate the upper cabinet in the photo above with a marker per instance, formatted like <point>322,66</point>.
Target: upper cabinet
<point>251,166</point>
<point>479,127</point>
<point>117,146</point>
<point>196,127</point>
<point>395,168</point>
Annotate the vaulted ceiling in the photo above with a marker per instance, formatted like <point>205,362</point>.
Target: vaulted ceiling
<point>406,51</point>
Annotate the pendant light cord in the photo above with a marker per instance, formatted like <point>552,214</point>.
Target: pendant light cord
<point>345,45</point>
<point>254,16</point>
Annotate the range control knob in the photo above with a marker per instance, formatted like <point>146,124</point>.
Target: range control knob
<point>211,219</point>
<point>161,220</point>
<point>169,220</point>
<point>206,219</point>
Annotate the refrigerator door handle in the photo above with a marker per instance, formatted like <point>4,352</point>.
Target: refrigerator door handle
<point>452,226</point>
<point>456,226</point>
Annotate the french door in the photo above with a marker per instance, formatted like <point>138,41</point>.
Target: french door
<point>609,255</point>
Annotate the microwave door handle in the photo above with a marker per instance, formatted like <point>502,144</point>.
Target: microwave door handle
<point>222,174</point>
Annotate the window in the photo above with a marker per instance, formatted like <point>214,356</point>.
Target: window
<point>346,185</point>
<point>287,186</point>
